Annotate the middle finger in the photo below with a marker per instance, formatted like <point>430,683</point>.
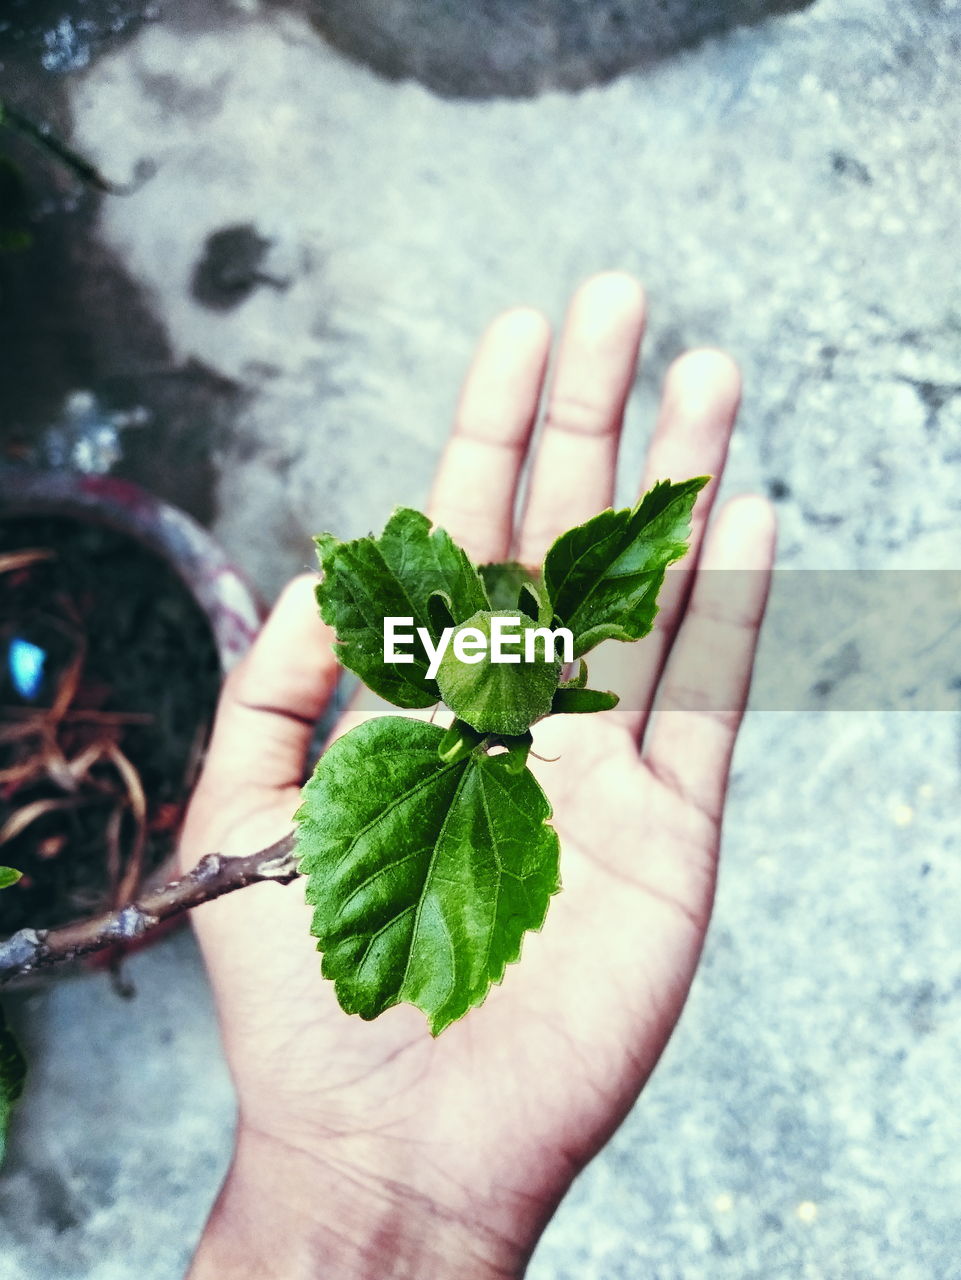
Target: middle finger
<point>573,472</point>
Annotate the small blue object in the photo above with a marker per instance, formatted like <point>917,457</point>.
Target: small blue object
<point>26,668</point>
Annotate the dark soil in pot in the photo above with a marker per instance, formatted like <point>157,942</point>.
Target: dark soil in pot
<point>109,676</point>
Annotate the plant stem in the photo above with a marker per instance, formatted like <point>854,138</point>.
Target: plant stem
<point>213,876</point>
<point>44,138</point>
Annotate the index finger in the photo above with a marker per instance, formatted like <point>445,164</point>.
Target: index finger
<point>476,485</point>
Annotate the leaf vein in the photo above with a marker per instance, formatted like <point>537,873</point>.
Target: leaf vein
<point>430,869</point>
<point>374,875</point>
<point>374,936</point>
<point>500,868</point>
<point>389,808</point>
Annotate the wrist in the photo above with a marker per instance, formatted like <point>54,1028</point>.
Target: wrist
<point>286,1213</point>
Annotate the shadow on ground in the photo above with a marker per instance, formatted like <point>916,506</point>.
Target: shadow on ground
<point>89,378</point>
<point>519,48</point>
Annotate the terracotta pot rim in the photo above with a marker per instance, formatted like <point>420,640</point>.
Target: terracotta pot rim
<point>232,608</point>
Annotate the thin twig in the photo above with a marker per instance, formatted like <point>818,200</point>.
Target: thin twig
<point>213,876</point>
<point>21,818</point>
<point>21,559</point>
<point>111,836</point>
<point>125,885</point>
<point>42,136</point>
<point>79,713</point>
<point>18,773</point>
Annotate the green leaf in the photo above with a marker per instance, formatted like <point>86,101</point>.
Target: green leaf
<point>504,583</point>
<point>9,876</point>
<point>394,575</point>
<point>518,749</point>
<point>603,577</point>
<point>571,701</point>
<point>424,876</point>
<point>497,697</point>
<point>459,741</point>
<point>514,587</point>
<point>439,612</point>
<point>578,681</point>
<point>13,1070</point>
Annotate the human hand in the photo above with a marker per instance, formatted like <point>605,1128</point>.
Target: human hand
<point>371,1149</point>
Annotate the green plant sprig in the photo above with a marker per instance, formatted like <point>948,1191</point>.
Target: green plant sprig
<point>428,852</point>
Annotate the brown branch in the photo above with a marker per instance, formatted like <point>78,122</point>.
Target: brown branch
<point>213,876</point>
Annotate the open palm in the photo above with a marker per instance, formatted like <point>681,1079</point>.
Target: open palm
<point>471,1139</point>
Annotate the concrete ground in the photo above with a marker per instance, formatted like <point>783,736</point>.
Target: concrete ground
<point>787,191</point>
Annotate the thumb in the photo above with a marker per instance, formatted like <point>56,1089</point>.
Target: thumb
<point>272,700</point>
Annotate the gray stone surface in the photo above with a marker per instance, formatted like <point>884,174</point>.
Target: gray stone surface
<point>125,1127</point>
<point>788,192</point>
